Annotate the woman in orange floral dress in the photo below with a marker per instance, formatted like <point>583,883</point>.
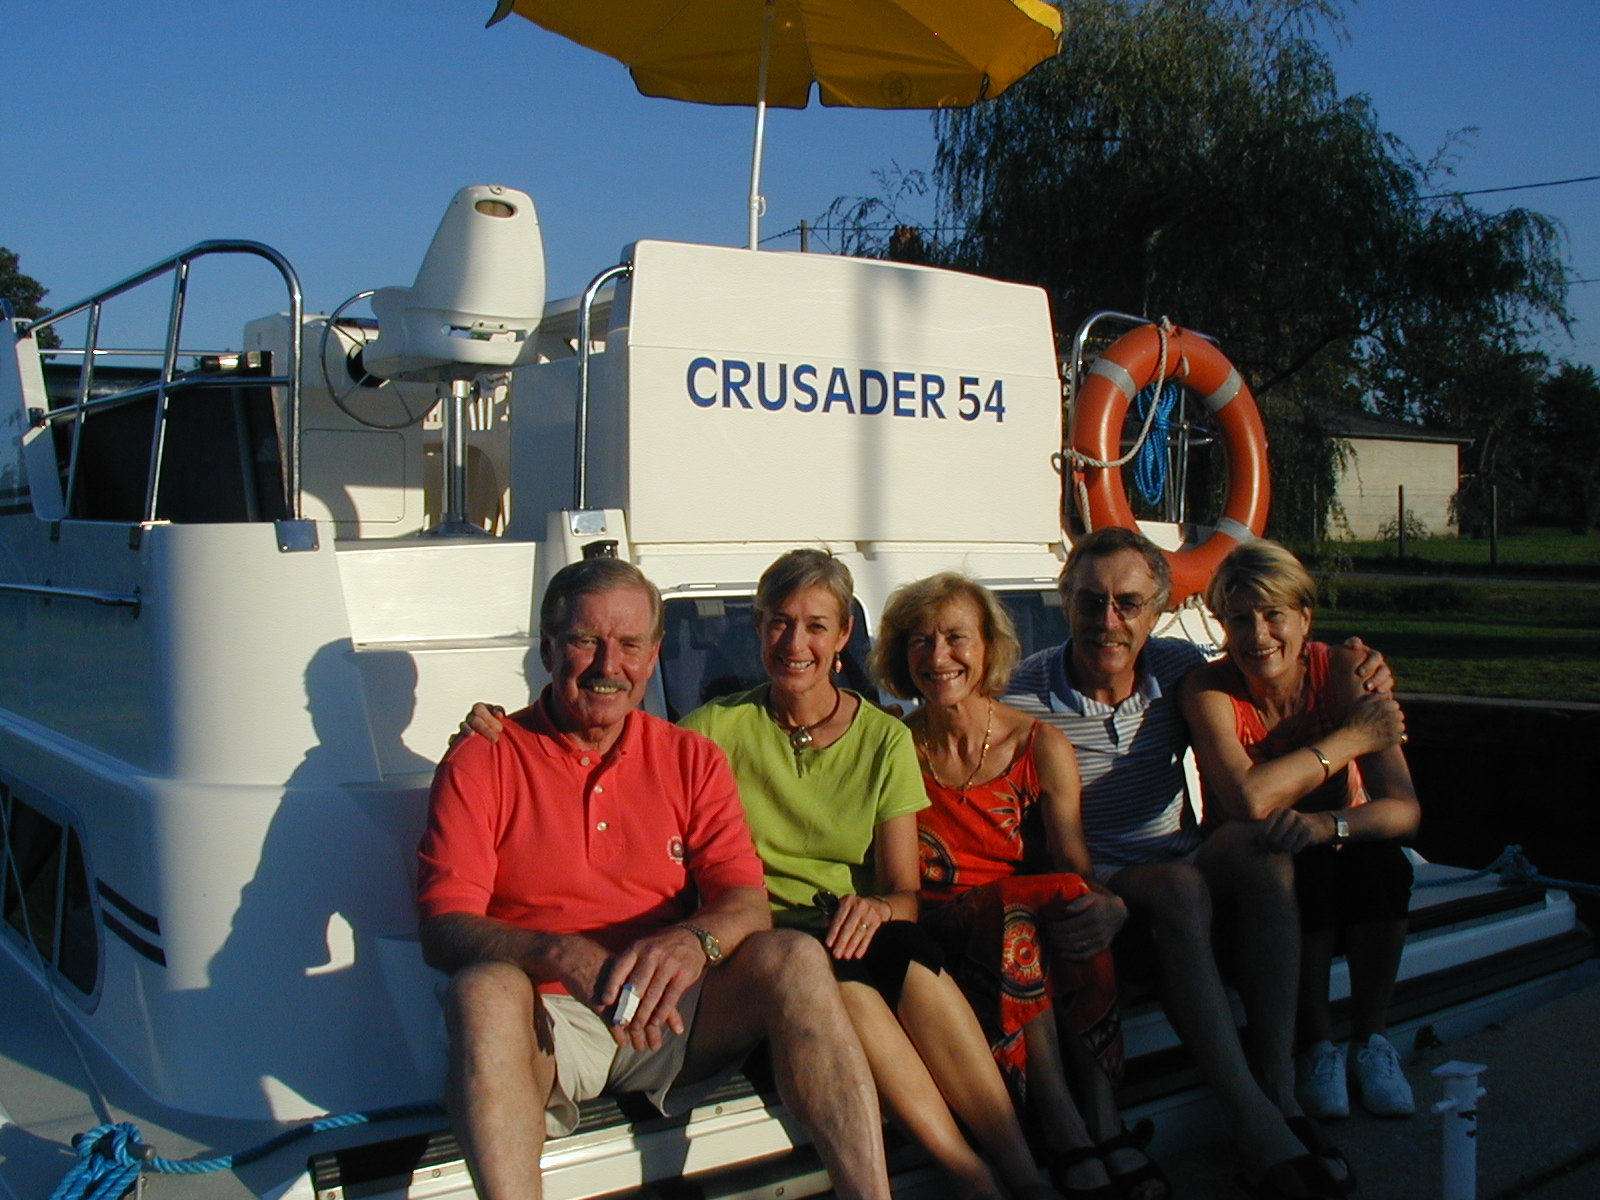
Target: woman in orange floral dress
<point>1003,859</point>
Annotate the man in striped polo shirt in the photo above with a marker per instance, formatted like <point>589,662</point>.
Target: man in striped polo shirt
<point>1112,689</point>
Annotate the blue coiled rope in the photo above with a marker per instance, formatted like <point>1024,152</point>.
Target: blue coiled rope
<point>110,1157</point>
<point>1150,467</point>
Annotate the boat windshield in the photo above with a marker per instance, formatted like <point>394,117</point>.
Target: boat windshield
<point>1038,615</point>
<point>710,649</point>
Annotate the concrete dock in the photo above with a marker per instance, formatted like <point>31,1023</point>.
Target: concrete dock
<point>1539,1121</point>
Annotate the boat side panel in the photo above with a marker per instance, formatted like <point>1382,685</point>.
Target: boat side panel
<point>82,669</point>
<point>29,481</point>
<point>258,685</point>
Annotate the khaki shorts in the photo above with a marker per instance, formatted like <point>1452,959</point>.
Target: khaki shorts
<point>589,1062</point>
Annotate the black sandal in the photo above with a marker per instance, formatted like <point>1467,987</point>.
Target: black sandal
<point>1136,1139</point>
<point>1063,1162</point>
<point>1334,1165</point>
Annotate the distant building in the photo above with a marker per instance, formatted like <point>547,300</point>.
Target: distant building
<point>1386,455</point>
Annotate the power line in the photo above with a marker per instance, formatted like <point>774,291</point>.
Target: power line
<point>1516,187</point>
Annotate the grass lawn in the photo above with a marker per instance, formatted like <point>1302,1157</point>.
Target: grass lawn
<point>1530,551</point>
<point>1518,640</point>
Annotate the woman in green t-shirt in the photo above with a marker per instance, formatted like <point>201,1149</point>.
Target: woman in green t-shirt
<point>831,788</point>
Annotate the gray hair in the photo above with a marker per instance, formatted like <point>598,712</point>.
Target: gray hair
<point>589,576</point>
<point>1114,539</point>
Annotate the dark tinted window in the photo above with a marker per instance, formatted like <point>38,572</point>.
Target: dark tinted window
<point>44,902</point>
<point>34,852</point>
<point>1039,617</point>
<point>711,649</point>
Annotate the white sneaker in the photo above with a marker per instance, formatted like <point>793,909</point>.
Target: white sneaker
<point>1381,1079</point>
<point>1320,1082</point>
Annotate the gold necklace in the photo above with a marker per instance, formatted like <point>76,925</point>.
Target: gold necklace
<point>988,727</point>
<point>800,736</point>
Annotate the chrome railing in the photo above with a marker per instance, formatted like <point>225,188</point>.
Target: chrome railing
<point>168,382</point>
<point>580,444</point>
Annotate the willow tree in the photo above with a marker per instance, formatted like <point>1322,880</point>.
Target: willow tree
<point>1195,159</point>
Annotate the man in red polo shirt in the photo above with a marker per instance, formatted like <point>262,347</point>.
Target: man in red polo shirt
<point>596,855</point>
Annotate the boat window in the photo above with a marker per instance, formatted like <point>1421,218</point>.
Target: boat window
<point>220,455</point>
<point>45,899</point>
<point>711,649</point>
<point>1038,615</point>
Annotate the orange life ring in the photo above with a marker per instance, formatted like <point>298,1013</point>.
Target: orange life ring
<point>1095,431</point>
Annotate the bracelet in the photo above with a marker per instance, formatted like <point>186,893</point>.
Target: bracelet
<point>889,907</point>
<point>1327,767</point>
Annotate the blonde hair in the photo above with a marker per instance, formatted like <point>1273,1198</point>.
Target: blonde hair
<point>914,601</point>
<point>1263,570</point>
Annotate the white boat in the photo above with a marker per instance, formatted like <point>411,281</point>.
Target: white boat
<point>243,624</point>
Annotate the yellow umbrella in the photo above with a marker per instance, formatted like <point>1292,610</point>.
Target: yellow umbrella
<point>859,53</point>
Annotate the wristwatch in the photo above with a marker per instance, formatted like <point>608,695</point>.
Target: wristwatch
<point>1341,830</point>
<point>708,941</point>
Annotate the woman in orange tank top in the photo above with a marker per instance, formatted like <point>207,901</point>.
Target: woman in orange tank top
<point>1287,736</point>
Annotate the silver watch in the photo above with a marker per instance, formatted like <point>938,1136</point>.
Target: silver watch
<point>1341,830</point>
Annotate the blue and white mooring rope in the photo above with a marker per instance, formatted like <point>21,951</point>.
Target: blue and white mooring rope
<point>111,1157</point>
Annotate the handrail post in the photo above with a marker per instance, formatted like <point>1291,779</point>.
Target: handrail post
<point>85,387</point>
<point>580,449</point>
<point>169,365</point>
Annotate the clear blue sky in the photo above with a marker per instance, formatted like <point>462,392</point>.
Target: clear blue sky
<point>337,130</point>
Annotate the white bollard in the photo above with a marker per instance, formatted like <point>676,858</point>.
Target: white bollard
<point>1460,1109</point>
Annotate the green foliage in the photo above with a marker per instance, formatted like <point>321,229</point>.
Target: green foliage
<point>1195,158</point>
<point>25,293</point>
<point>1415,530</point>
<point>1567,462</point>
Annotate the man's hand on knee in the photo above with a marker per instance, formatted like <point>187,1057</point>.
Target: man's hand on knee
<point>659,969</point>
<point>1090,922</point>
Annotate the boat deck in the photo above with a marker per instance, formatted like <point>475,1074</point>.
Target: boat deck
<point>1477,952</point>
<point>1538,1122</point>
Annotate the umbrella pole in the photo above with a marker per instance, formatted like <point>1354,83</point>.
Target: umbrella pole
<point>757,201</point>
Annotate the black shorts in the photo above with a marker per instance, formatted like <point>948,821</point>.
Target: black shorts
<point>895,946</point>
<point>1356,884</point>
